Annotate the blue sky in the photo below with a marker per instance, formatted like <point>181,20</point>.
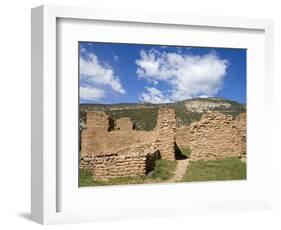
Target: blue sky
<point>132,73</point>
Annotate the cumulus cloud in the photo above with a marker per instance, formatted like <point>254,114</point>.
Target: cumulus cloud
<point>92,72</point>
<point>187,75</point>
<point>153,95</point>
<point>91,93</point>
<point>82,49</point>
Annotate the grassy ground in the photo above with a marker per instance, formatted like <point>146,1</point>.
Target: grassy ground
<point>226,169</point>
<point>185,150</point>
<point>163,171</point>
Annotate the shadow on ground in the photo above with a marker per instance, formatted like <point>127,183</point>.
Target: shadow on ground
<point>179,155</point>
<point>25,215</point>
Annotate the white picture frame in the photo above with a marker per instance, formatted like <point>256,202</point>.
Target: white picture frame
<point>46,179</point>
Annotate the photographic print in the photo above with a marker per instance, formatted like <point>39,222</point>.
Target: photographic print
<point>161,114</point>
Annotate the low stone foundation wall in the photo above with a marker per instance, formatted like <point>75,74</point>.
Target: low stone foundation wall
<point>128,162</point>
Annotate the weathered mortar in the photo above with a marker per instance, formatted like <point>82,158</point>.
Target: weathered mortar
<point>124,124</point>
<point>166,129</point>
<point>128,162</point>
<point>215,136</point>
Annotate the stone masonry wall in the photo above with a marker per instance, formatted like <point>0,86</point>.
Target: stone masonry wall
<point>240,124</point>
<point>126,152</point>
<point>98,123</point>
<point>123,152</point>
<point>166,130</point>
<point>87,136</point>
<point>124,124</point>
<point>128,162</point>
<point>215,136</point>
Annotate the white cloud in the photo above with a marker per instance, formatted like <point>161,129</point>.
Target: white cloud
<point>92,72</point>
<point>116,57</point>
<point>154,96</point>
<point>187,75</point>
<point>82,49</point>
<point>91,93</point>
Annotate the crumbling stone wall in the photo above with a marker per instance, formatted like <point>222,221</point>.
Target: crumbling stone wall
<point>87,136</point>
<point>98,135</point>
<point>240,124</point>
<point>122,153</point>
<point>124,124</point>
<point>127,152</point>
<point>98,123</point>
<point>215,136</point>
<point>131,161</point>
<point>166,130</point>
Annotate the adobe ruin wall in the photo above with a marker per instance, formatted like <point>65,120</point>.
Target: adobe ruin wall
<point>215,136</point>
<point>120,151</point>
<point>124,124</point>
<point>131,161</point>
<point>166,130</point>
<point>98,124</point>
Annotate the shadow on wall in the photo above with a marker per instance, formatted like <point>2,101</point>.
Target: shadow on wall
<point>150,161</point>
<point>178,153</point>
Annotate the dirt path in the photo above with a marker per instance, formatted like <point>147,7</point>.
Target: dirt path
<point>244,159</point>
<point>180,170</point>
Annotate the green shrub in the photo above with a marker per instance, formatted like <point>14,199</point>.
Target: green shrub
<point>185,117</point>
